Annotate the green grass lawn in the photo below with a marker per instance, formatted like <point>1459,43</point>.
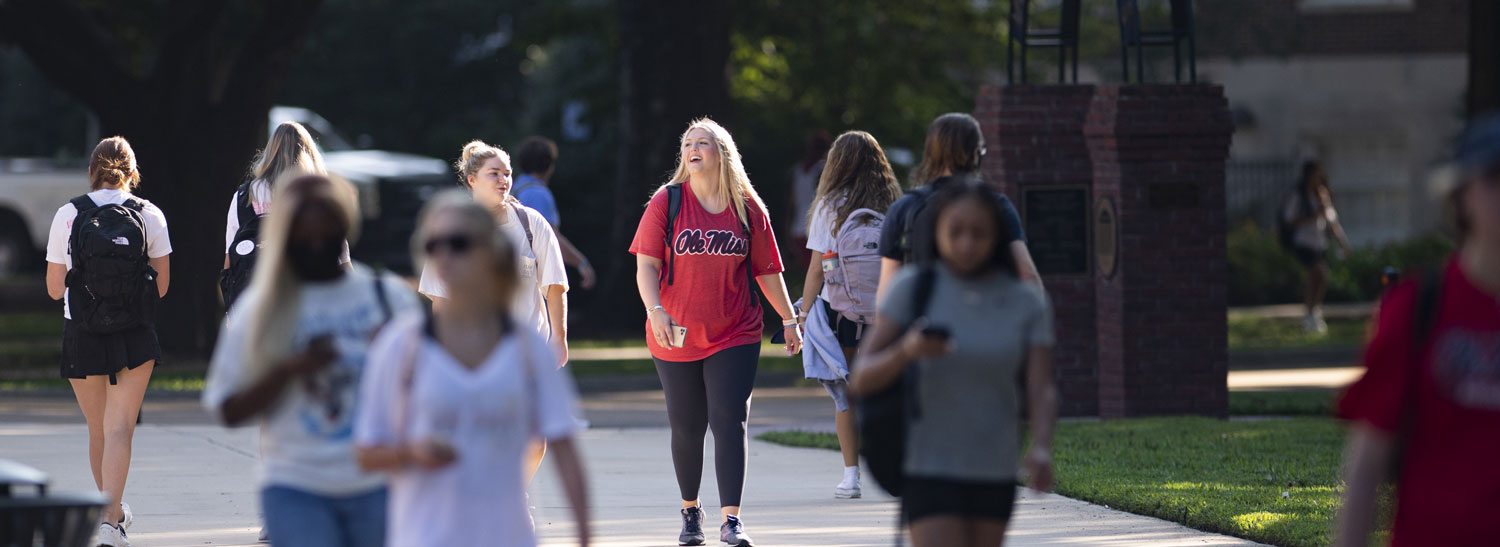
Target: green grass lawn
<point>1262,333</point>
<point>161,381</point>
<point>1274,481</point>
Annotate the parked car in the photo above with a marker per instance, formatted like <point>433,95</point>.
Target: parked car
<point>392,188</point>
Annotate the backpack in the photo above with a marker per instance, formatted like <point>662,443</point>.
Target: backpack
<point>913,245</point>
<point>112,287</point>
<point>853,279</point>
<point>885,417</point>
<point>236,277</point>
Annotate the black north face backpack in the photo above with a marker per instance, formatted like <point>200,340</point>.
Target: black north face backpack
<point>112,287</point>
<point>243,250</point>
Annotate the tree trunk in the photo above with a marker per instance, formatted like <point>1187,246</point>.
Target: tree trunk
<point>195,118</point>
<point>673,59</point>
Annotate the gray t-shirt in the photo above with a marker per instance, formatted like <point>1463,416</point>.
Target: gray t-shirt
<point>969,400</point>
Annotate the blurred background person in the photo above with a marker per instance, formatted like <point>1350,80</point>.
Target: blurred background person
<point>952,152</point>
<point>838,296</point>
<point>537,161</point>
<point>454,398</point>
<point>1306,218</point>
<point>290,148</point>
<point>703,320</point>
<point>805,176</point>
<point>540,300</point>
<point>291,355</point>
<point>968,326</point>
<point>107,367</point>
<point>1426,410</point>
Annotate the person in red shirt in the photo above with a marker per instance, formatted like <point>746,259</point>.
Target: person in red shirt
<point>721,238</point>
<point>1429,401</point>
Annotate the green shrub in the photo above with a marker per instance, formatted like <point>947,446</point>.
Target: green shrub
<point>1262,272</point>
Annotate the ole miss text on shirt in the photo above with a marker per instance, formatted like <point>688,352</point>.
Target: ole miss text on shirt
<point>710,294</point>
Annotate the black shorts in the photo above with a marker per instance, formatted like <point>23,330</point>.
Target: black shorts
<point>980,500</point>
<point>86,354</point>
<point>849,332</point>
<point>1309,258</point>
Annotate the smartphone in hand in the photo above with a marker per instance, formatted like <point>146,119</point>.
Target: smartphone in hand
<point>679,336</point>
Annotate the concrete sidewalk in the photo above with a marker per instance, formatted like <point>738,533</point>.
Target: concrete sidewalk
<point>194,485</point>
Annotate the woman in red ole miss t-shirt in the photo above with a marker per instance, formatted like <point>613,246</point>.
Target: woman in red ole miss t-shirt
<point>701,284</point>
<point>1433,395</point>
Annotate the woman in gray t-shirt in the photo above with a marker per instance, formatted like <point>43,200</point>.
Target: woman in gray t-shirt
<point>969,326</point>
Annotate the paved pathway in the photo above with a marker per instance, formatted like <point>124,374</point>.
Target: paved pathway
<point>194,485</point>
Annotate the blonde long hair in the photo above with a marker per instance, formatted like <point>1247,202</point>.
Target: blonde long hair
<point>274,295</point>
<point>290,148</point>
<point>734,183</point>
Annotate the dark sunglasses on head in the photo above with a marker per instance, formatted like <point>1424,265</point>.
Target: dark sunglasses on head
<point>456,243</point>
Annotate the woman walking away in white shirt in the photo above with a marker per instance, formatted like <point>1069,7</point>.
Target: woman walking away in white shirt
<point>289,149</point>
<point>455,396</point>
<point>107,259</point>
<point>856,190</point>
<point>290,356</point>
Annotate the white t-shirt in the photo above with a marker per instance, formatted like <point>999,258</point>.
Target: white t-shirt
<point>1311,235</point>
<point>260,202</point>
<point>820,238</point>
<point>59,251</point>
<point>489,414</point>
<point>541,266</point>
<point>307,438</point>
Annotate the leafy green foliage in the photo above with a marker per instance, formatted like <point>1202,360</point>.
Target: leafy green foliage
<point>1274,481</point>
<point>1261,272</point>
<point>1315,402</point>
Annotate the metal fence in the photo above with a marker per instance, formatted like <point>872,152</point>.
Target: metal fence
<point>1255,189</point>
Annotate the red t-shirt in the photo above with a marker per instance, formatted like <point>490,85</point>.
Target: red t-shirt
<point>1450,479</point>
<point>710,294</point>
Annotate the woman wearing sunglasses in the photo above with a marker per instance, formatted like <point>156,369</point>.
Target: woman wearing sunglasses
<point>453,397</point>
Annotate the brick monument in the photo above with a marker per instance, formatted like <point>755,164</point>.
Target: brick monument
<point>1121,189</point>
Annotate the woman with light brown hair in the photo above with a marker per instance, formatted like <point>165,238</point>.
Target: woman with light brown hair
<point>857,187</point>
<point>107,259</point>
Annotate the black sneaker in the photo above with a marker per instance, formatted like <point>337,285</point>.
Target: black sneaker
<point>733,533</point>
<point>692,527</point>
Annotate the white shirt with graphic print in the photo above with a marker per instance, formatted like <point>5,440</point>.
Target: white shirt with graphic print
<point>307,437</point>
<point>541,266</point>
<point>59,249</point>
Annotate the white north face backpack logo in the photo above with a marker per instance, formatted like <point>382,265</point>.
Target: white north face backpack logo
<point>121,241</point>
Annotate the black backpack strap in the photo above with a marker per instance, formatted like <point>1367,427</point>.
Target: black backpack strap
<point>1424,318</point>
<point>1425,314</point>
<point>83,203</point>
<point>134,204</point>
<point>244,208</point>
<point>921,295</point>
<point>525,221</point>
<point>909,222</point>
<point>674,206</point>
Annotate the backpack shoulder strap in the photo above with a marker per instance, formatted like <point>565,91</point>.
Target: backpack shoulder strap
<point>909,221</point>
<point>380,297</point>
<point>244,206</point>
<point>525,219</point>
<point>674,207</point>
<point>921,296</point>
<point>134,203</point>
<point>83,203</point>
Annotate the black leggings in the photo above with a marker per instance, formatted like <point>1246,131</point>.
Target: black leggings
<point>712,393</point>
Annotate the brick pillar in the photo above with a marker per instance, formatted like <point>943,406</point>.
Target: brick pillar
<point>1148,337</point>
<point>1159,152</point>
<point>1034,136</point>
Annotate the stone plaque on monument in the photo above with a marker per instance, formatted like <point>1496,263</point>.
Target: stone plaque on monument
<point>1057,229</point>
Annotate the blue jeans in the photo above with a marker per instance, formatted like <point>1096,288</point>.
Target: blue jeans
<point>302,519</point>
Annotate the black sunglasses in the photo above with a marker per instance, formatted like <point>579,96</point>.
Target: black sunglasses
<point>456,243</point>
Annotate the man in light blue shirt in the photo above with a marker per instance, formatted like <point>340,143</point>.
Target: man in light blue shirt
<point>536,160</point>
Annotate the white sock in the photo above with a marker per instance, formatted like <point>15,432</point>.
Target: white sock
<point>851,473</point>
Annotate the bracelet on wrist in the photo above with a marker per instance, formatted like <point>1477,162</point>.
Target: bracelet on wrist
<point>654,309</point>
<point>790,322</point>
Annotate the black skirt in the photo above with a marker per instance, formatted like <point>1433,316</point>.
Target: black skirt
<point>87,354</point>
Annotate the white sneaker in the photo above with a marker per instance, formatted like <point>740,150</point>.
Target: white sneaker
<point>847,490</point>
<point>126,517</point>
<point>264,537</point>
<point>110,536</point>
